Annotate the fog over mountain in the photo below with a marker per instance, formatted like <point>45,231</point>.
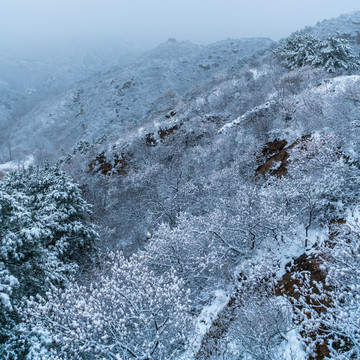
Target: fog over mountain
<point>32,23</point>
<point>179,180</point>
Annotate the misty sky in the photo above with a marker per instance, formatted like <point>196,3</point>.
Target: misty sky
<point>149,22</point>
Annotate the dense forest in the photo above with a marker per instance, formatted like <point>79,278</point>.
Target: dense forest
<point>188,202</point>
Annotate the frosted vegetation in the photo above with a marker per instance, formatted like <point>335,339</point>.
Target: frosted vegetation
<point>192,203</point>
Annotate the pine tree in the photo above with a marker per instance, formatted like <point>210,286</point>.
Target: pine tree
<point>299,51</point>
<point>44,233</point>
<point>332,54</point>
<point>336,53</point>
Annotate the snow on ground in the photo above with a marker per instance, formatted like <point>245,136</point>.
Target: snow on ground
<point>204,322</point>
<point>257,73</point>
<point>296,247</point>
<point>317,236</point>
<point>292,349</point>
<point>352,218</point>
<point>16,165</point>
<point>243,117</point>
<point>329,88</point>
<point>5,299</point>
<point>291,252</point>
<point>335,86</point>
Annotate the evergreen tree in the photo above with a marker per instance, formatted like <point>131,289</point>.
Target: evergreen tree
<point>299,51</point>
<point>44,233</point>
<point>336,53</point>
<point>332,54</point>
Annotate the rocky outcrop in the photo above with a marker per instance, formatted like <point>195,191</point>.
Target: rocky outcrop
<point>163,133</point>
<point>276,155</point>
<point>101,164</point>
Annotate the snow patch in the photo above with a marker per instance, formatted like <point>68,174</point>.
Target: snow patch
<point>257,73</point>
<point>336,85</point>
<point>230,125</point>
<point>243,117</point>
<point>16,165</point>
<point>204,322</point>
<point>292,349</point>
<point>5,299</point>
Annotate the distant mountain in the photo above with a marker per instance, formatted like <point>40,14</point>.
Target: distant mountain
<point>121,98</point>
<point>27,77</point>
<point>60,66</point>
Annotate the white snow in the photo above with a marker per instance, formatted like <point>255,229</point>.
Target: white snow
<point>5,299</point>
<point>204,321</point>
<point>230,124</point>
<point>292,349</point>
<point>334,86</point>
<point>12,280</point>
<point>257,73</point>
<point>317,236</point>
<point>15,165</point>
<point>32,233</point>
<point>352,218</point>
<point>243,117</point>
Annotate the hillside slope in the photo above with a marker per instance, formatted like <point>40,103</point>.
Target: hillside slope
<point>124,98</point>
<point>225,191</point>
<point>347,25</point>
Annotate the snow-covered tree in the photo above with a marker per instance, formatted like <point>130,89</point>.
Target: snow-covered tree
<point>45,226</point>
<point>331,54</point>
<point>321,184</point>
<point>128,312</point>
<point>191,248</point>
<point>336,53</point>
<point>45,234</point>
<point>254,217</point>
<point>299,51</point>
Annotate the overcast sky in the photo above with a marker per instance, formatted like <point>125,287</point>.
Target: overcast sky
<point>150,22</point>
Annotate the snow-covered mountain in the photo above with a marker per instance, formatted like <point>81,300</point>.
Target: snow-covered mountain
<point>56,67</point>
<point>30,76</point>
<point>346,25</point>
<point>226,183</point>
<point>111,101</point>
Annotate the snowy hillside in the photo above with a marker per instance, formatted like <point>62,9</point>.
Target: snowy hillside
<point>123,98</point>
<point>200,203</point>
<point>26,79</point>
<point>347,25</point>
<point>56,68</point>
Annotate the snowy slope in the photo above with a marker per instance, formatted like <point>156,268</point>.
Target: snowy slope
<point>109,102</point>
<point>189,130</point>
<point>347,25</point>
<point>59,67</point>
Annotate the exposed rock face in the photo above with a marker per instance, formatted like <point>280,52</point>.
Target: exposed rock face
<point>290,286</point>
<point>107,167</point>
<point>163,134</point>
<point>277,156</point>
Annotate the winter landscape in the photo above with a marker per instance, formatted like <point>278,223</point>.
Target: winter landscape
<point>186,202</point>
